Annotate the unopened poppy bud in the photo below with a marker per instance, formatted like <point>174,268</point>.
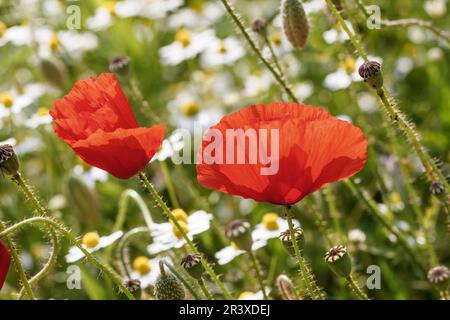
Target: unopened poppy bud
<point>286,240</point>
<point>192,264</point>
<point>120,65</point>
<point>259,25</point>
<point>295,23</point>
<point>167,286</point>
<point>370,71</point>
<point>54,71</point>
<point>339,261</point>
<point>240,233</point>
<point>437,188</point>
<point>134,286</point>
<point>9,163</point>
<point>440,277</point>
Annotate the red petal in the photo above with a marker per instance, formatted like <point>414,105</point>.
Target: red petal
<point>5,261</point>
<point>92,104</point>
<point>124,152</point>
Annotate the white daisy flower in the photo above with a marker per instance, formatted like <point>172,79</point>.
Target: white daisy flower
<point>170,147</point>
<point>146,270</point>
<point>222,52</point>
<point>227,254</point>
<point>337,34</point>
<point>14,101</point>
<point>92,242</point>
<point>435,8</point>
<point>166,236</point>
<point>270,227</point>
<point>40,118</point>
<point>257,84</point>
<point>201,16</point>
<point>90,175</point>
<point>187,45</point>
<point>356,235</point>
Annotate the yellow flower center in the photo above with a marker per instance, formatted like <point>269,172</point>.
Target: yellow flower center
<point>276,39</point>
<point>234,246</point>
<point>197,5</point>
<point>349,65</point>
<point>183,226</point>
<point>245,294</point>
<point>3,28</point>
<point>111,7</point>
<point>270,221</point>
<point>42,111</point>
<point>91,240</point>
<point>54,42</point>
<point>190,109</point>
<point>222,48</point>
<point>6,99</point>
<point>142,265</point>
<point>183,36</point>
<point>180,215</point>
<point>395,197</point>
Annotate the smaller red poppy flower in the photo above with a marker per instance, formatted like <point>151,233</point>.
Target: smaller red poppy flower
<point>5,261</point>
<point>279,153</point>
<point>96,120</point>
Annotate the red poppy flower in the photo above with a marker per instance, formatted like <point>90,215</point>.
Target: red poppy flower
<point>314,149</point>
<point>96,121</point>
<point>5,261</point>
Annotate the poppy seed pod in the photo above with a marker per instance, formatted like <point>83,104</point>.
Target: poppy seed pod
<point>192,264</point>
<point>259,25</point>
<point>339,261</point>
<point>370,71</point>
<point>134,286</point>
<point>120,65</point>
<point>9,163</point>
<point>286,240</point>
<point>437,188</point>
<point>239,232</point>
<point>440,277</point>
<point>295,23</point>
<point>168,287</point>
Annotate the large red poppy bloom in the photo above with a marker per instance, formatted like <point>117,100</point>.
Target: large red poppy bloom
<point>97,122</point>
<point>314,149</point>
<point>5,261</point>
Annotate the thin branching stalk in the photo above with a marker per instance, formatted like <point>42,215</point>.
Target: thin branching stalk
<point>106,269</point>
<point>48,267</point>
<point>17,263</point>
<point>355,288</point>
<point>121,248</point>
<point>123,206</point>
<point>275,59</point>
<point>258,274</point>
<point>189,242</point>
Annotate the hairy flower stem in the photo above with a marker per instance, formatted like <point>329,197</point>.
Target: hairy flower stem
<point>49,265</point>
<point>205,290</point>
<point>311,286</point>
<point>258,274</point>
<point>356,289</point>
<point>245,32</point>
<point>275,59</point>
<point>106,269</point>
<point>17,263</point>
<point>189,242</point>
<point>29,194</point>
<point>433,172</point>
<point>169,184</point>
<point>123,244</point>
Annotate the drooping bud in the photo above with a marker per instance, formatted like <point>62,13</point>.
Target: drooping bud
<point>371,72</point>
<point>192,264</point>
<point>286,287</point>
<point>240,234</point>
<point>167,286</point>
<point>9,163</point>
<point>295,23</point>
<point>339,261</point>
<point>440,277</point>
<point>55,72</point>
<point>286,240</point>
<point>120,65</point>
<point>134,286</point>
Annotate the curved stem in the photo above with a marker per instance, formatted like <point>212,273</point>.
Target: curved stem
<point>66,233</point>
<point>231,11</point>
<point>356,289</point>
<point>179,277</point>
<point>205,290</point>
<point>189,242</point>
<point>258,274</point>
<point>123,206</point>
<point>313,290</point>
<point>122,245</point>
<point>17,263</point>
<point>48,266</point>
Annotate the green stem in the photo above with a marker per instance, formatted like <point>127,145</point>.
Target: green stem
<point>275,59</point>
<point>66,233</point>
<point>313,290</point>
<point>191,245</point>
<point>356,289</point>
<point>29,194</point>
<point>17,263</point>
<point>232,12</point>
<point>179,277</point>
<point>205,290</point>
<point>122,245</point>
<point>258,274</point>
<point>169,184</point>
<point>48,266</point>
